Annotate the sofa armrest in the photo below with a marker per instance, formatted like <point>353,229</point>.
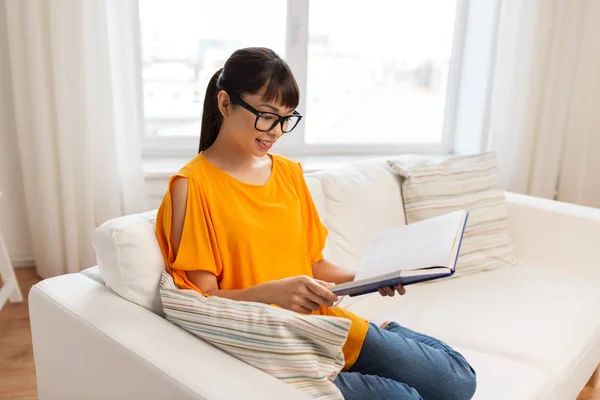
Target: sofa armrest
<point>549,233</point>
<point>90,343</point>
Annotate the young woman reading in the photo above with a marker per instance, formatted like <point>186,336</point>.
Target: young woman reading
<point>239,222</point>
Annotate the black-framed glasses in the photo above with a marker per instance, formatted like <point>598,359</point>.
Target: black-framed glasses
<point>265,121</point>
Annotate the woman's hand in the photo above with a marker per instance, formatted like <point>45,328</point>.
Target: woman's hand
<point>391,290</point>
<point>301,294</point>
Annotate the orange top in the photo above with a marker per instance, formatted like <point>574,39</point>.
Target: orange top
<point>249,234</point>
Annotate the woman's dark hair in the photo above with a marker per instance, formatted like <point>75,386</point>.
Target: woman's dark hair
<point>247,71</point>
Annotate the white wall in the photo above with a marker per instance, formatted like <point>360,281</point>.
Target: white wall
<point>13,223</point>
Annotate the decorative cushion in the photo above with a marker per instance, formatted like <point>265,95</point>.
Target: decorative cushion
<point>316,192</point>
<point>432,188</point>
<point>361,199</point>
<point>302,350</point>
<point>129,258</point>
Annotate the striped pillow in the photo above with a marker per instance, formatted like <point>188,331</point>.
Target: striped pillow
<point>432,188</point>
<point>302,350</point>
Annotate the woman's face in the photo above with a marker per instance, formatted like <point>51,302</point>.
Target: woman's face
<point>241,124</point>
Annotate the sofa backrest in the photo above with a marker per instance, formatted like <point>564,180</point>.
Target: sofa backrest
<point>360,199</point>
<point>353,201</point>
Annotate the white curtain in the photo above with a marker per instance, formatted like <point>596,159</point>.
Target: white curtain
<point>75,90</point>
<point>544,114</point>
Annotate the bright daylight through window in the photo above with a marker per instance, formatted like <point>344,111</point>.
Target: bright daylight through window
<point>377,71</point>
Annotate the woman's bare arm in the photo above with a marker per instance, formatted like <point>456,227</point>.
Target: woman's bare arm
<point>204,280</point>
<point>329,272</point>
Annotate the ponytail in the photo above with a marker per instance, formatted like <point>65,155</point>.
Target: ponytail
<point>211,115</point>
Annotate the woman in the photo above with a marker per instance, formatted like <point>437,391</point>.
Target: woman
<point>238,222</point>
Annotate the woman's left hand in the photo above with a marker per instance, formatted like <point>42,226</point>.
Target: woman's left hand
<point>391,290</point>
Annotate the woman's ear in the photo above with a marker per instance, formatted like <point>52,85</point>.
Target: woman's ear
<point>224,103</point>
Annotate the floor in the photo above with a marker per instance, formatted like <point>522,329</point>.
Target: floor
<point>589,394</point>
<point>17,370</point>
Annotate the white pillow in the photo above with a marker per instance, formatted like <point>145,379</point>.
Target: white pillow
<point>129,258</point>
<point>316,192</point>
<point>361,199</point>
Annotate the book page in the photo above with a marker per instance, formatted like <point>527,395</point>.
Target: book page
<point>423,244</point>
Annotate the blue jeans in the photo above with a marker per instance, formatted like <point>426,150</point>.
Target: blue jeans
<point>398,363</point>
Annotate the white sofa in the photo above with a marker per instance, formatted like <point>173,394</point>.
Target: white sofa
<point>530,331</point>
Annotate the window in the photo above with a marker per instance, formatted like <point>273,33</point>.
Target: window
<point>184,42</point>
<point>374,76</point>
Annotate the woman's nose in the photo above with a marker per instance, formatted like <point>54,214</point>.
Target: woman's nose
<point>276,132</point>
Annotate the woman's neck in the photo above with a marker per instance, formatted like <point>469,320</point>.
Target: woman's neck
<point>227,155</point>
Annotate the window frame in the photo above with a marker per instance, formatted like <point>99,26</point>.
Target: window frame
<point>296,54</point>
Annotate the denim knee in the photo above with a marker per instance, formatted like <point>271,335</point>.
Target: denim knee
<point>464,384</point>
<point>468,385</point>
<point>457,383</point>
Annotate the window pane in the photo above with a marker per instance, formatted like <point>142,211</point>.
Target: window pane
<point>184,42</point>
<point>378,70</point>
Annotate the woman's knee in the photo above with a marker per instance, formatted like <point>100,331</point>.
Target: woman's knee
<point>468,385</point>
<point>357,386</point>
<point>463,384</point>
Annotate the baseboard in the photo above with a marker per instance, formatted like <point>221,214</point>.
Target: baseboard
<point>22,262</point>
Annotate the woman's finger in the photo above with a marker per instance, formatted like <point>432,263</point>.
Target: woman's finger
<point>315,298</point>
<point>382,292</point>
<point>400,289</point>
<point>325,284</point>
<point>301,310</point>
<point>318,289</point>
<point>308,304</point>
<point>390,291</point>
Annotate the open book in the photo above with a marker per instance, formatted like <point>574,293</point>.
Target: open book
<point>418,252</point>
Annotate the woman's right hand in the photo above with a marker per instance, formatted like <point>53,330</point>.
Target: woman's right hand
<point>301,294</point>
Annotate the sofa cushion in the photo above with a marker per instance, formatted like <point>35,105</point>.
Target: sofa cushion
<point>129,258</point>
<point>361,199</point>
<point>304,351</point>
<point>316,192</point>
<point>500,378</point>
<point>544,318</point>
<point>94,274</point>
<point>432,188</point>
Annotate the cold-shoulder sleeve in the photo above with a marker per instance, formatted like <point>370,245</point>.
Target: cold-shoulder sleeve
<point>198,250</point>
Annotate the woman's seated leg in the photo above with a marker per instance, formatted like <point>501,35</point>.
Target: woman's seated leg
<point>356,386</point>
<point>428,365</point>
